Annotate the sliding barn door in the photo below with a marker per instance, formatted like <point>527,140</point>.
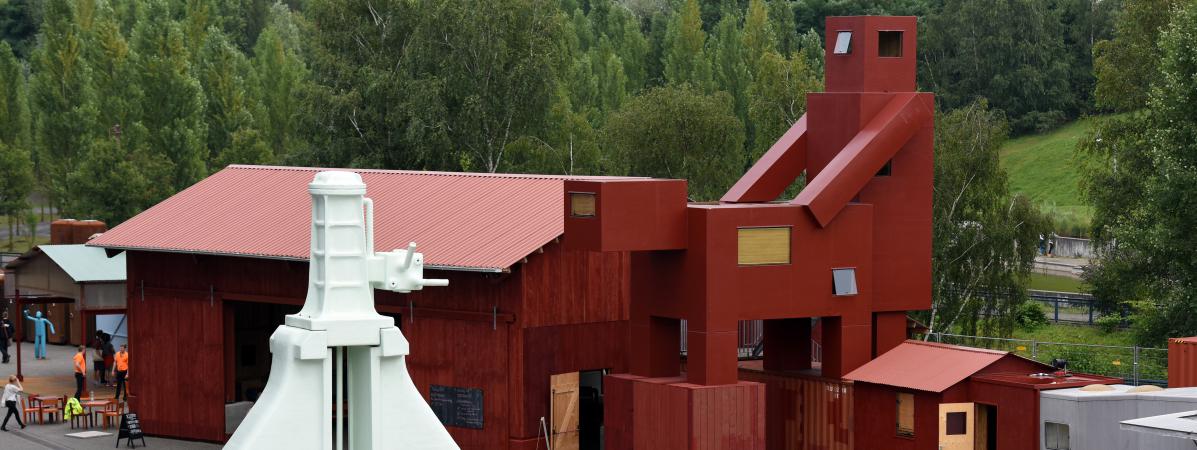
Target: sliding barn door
<point>564,405</point>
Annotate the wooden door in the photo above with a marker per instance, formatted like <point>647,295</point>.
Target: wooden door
<point>564,406</point>
<point>957,426</point>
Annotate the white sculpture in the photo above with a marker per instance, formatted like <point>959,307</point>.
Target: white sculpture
<point>338,322</point>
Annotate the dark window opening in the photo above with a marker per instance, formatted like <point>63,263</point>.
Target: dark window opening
<point>887,169</point>
<point>957,423</point>
<point>889,44</point>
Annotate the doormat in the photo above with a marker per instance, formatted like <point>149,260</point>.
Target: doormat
<point>89,434</point>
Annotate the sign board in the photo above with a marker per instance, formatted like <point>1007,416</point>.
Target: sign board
<point>130,429</point>
<point>457,406</point>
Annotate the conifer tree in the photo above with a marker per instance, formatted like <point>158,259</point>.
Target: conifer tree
<point>176,127</point>
<point>684,57</point>
<point>15,162</point>
<point>280,79</point>
<point>223,73</point>
<point>62,101</point>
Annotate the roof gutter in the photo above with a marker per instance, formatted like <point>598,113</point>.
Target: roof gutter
<point>289,258</point>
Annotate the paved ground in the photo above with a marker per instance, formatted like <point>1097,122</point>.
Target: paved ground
<point>1069,267</point>
<point>54,376</point>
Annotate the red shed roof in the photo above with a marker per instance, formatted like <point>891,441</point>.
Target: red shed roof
<point>461,221</point>
<point>925,366</point>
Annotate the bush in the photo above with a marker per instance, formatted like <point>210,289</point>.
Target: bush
<point>1030,315</point>
<point>1108,323</point>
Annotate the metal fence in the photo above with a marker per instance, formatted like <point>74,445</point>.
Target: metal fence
<point>1067,307</point>
<point>1135,365</point>
<point>750,342</point>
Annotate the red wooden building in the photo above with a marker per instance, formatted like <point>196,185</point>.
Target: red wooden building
<point>928,396</point>
<point>853,249</point>
<point>213,270</point>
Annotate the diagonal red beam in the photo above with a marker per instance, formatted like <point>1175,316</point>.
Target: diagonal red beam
<point>775,171</point>
<point>859,160</point>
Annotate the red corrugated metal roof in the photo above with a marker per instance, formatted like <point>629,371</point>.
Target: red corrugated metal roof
<point>925,366</point>
<point>461,221</point>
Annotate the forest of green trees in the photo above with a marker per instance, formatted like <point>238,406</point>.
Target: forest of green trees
<point>113,105</point>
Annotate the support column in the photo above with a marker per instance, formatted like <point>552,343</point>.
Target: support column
<point>656,346</point>
<point>847,343</point>
<point>787,344</point>
<point>711,358</point>
<point>889,331</point>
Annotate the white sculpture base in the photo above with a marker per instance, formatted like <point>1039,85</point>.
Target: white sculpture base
<point>296,407</point>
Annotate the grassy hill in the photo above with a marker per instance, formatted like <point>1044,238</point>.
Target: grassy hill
<point>1042,167</point>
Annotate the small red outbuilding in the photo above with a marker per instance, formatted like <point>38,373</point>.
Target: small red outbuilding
<point>928,396</point>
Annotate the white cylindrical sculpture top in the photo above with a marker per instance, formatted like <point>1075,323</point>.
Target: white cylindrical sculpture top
<point>338,277</point>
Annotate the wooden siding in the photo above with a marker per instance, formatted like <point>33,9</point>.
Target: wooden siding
<point>176,364</point>
<point>503,333</point>
<point>567,287</point>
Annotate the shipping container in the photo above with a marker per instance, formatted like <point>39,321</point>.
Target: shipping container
<point>803,411</point>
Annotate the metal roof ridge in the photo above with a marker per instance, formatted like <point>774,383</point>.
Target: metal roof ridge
<point>961,348</point>
<point>525,176</point>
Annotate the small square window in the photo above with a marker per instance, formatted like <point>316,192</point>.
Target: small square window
<point>889,44</point>
<point>957,423</point>
<point>1055,436</point>
<point>581,204</point>
<point>845,281</point>
<point>843,43</point>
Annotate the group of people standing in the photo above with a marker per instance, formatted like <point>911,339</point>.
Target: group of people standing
<point>105,361</point>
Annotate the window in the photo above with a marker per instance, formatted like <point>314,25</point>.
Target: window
<point>845,281</point>
<point>843,43</point>
<point>957,423</point>
<point>905,414</point>
<point>581,204</point>
<point>761,246</point>
<point>1055,436</point>
<point>889,44</point>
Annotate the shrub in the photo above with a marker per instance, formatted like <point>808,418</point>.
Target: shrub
<point>1030,315</point>
<point>1108,323</point>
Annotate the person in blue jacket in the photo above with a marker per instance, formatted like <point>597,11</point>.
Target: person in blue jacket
<point>39,327</point>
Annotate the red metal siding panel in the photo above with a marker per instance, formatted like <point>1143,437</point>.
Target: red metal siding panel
<point>475,221</point>
<point>1182,362</point>
<point>805,412</point>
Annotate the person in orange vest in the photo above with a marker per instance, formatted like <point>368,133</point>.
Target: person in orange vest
<point>80,370</point>
<point>121,371</point>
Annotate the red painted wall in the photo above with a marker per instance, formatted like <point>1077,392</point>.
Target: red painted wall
<point>875,406</point>
<point>561,311</point>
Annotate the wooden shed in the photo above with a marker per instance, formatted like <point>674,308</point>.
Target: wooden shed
<point>72,285</point>
<point>524,331</point>
<point>928,396</point>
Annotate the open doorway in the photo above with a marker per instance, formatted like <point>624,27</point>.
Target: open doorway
<point>253,323</point>
<point>590,425</point>
<point>986,437</point>
<point>576,405</point>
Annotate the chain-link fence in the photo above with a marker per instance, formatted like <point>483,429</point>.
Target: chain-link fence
<point>1135,365</point>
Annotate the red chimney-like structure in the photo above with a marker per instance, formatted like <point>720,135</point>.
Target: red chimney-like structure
<point>853,249</point>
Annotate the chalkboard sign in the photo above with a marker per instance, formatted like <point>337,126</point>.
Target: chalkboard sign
<point>458,406</point>
<point>130,429</point>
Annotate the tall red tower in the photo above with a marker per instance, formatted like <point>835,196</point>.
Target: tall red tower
<point>853,248</point>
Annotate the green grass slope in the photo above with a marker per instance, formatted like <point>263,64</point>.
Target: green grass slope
<point>1042,167</point>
